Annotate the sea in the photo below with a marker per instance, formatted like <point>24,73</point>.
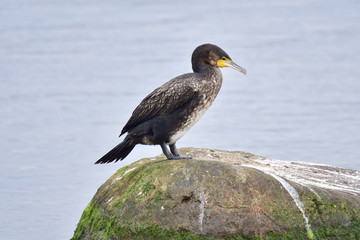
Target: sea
<point>72,72</point>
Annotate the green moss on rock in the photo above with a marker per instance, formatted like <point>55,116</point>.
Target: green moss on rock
<point>94,224</point>
<point>212,199</point>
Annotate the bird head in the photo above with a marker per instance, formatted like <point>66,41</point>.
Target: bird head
<point>209,54</point>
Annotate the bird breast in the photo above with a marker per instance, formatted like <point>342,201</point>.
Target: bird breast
<point>190,121</point>
<point>208,92</point>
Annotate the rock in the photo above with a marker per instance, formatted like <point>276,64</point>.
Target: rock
<point>222,194</point>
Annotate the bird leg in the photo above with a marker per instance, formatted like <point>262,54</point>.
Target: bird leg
<point>174,150</point>
<point>174,155</point>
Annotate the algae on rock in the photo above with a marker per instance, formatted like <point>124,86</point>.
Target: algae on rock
<point>221,194</point>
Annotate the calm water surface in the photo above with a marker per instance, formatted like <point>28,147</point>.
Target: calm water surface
<point>71,72</point>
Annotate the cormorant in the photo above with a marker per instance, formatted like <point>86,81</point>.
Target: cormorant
<point>167,113</point>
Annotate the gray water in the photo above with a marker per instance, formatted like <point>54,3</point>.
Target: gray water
<point>71,72</point>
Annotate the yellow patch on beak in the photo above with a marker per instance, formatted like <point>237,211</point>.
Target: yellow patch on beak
<point>224,62</point>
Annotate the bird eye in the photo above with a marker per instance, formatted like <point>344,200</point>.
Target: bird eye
<point>223,58</point>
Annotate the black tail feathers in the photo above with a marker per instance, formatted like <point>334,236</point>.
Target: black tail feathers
<point>117,153</point>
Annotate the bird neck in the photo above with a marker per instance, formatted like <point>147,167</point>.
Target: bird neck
<point>213,79</point>
<point>209,70</point>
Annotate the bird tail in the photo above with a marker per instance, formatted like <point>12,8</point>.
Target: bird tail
<point>118,153</point>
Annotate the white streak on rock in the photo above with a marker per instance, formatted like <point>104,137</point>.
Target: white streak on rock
<point>202,209</point>
<point>310,174</point>
<point>293,193</point>
<point>127,171</point>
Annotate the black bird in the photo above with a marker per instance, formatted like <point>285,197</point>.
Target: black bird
<point>167,113</point>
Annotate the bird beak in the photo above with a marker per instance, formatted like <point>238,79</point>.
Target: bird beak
<point>231,64</point>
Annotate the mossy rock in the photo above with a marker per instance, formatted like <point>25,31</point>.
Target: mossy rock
<point>221,195</point>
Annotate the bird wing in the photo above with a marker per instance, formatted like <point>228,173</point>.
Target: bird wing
<point>162,101</point>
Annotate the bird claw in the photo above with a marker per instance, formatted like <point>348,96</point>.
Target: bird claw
<point>178,157</point>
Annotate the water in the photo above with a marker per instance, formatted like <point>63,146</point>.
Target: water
<point>71,72</point>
